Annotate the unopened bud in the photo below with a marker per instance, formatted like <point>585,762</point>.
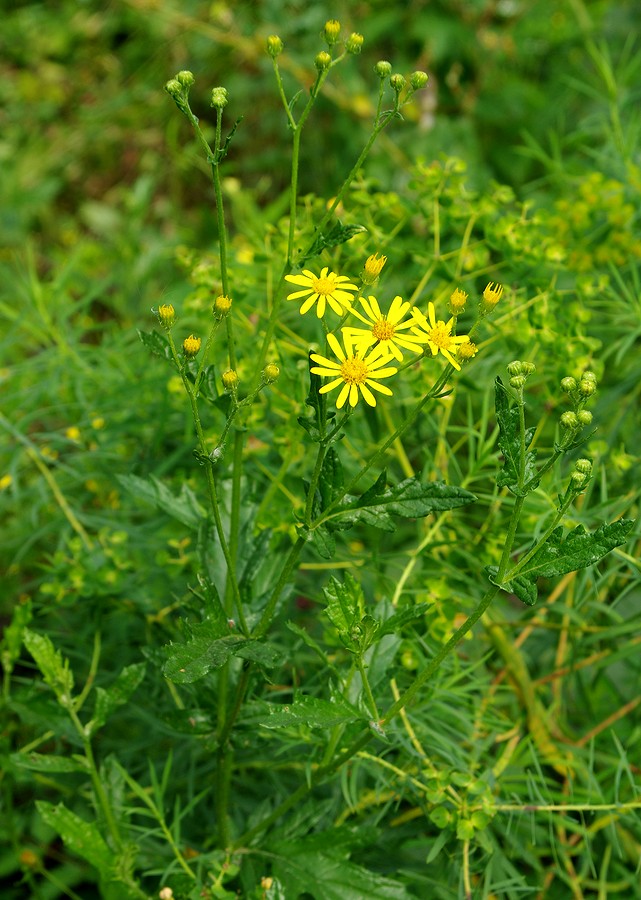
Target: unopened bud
<point>569,420</point>
<point>271,372</point>
<point>588,376</point>
<point>331,31</point>
<point>274,46</point>
<point>418,80</point>
<point>584,416</point>
<point>323,61</point>
<point>491,296</point>
<point>578,479</point>
<point>587,388</point>
<point>518,382</point>
<point>383,68</point>
<point>185,78</point>
<point>457,301</point>
<point>584,466</point>
<point>175,89</point>
<point>166,893</point>
<point>230,379</point>
<point>467,350</point>
<point>191,346</point>
<point>28,859</point>
<point>166,315</point>
<point>568,384</point>
<point>222,306</point>
<point>373,268</point>
<point>354,43</point>
<point>219,98</point>
<point>515,367</point>
<point>528,368</point>
<point>397,82</point>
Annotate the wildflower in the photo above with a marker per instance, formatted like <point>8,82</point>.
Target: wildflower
<point>230,380</point>
<point>326,287</point>
<point>322,61</point>
<point>274,46</point>
<point>271,372</point>
<point>384,328</point>
<point>438,334</point>
<point>397,82</point>
<point>166,315</point>
<point>166,893</point>
<point>491,296</point>
<point>354,43</point>
<point>373,267</point>
<point>191,346</point>
<point>219,98</point>
<point>457,302</point>
<point>222,306</point>
<point>353,372</point>
<point>418,80</point>
<point>331,31</point>
<point>383,69</point>
<point>73,433</point>
<point>5,482</point>
<point>467,351</point>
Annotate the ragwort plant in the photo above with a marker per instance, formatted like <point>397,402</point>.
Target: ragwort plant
<point>357,352</point>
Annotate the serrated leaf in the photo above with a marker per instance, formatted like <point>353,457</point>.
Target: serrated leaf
<point>54,669</point>
<point>109,699</point>
<point>13,635</point>
<point>156,343</point>
<point>522,587</point>
<point>40,762</point>
<point>80,837</point>
<point>191,661</point>
<point>399,620</point>
<point>508,420</point>
<point>337,234</point>
<point>326,876</point>
<point>311,711</point>
<point>323,540</point>
<point>331,481</point>
<point>264,654</point>
<point>184,507</point>
<point>345,603</point>
<point>579,549</point>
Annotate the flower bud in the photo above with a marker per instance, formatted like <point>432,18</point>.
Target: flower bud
<point>587,388</point>
<point>467,350</point>
<point>219,98</point>
<point>515,367</point>
<point>274,46</point>
<point>457,302</point>
<point>578,479</point>
<point>191,346</point>
<point>222,306</point>
<point>166,315</point>
<point>528,368</point>
<point>518,382</point>
<point>166,893</point>
<point>491,296</point>
<point>568,384</point>
<point>383,68</point>
<point>588,376</point>
<point>271,372</point>
<point>175,89</point>
<point>584,416</point>
<point>354,43</point>
<point>569,420</point>
<point>397,82</point>
<point>331,31</point>
<point>230,379</point>
<point>418,80</point>
<point>185,78</point>
<point>584,466</point>
<point>323,61</point>
<point>372,269</point>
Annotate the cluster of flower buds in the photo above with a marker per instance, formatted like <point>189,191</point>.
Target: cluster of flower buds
<point>579,393</point>
<point>581,474</point>
<point>178,88</point>
<point>519,373</point>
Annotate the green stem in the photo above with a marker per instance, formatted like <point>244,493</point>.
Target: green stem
<point>366,687</point>
<point>268,612</point>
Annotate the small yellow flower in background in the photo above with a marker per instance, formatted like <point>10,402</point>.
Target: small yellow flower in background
<point>73,433</point>
<point>353,372</point>
<point>328,287</point>
<point>5,482</point>
<point>438,334</point>
<point>457,302</point>
<point>466,351</point>
<point>384,328</point>
<point>491,296</point>
<point>166,893</point>
<point>373,268</point>
<point>191,346</point>
<point>98,422</point>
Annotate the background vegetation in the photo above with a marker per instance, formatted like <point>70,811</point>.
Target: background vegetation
<point>527,141</point>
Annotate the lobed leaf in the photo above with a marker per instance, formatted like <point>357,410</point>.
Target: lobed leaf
<point>184,507</point>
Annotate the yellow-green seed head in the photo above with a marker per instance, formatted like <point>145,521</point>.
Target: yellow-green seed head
<point>568,384</point>
<point>467,350</point>
<point>185,78</point>
<point>191,346</point>
<point>397,82</point>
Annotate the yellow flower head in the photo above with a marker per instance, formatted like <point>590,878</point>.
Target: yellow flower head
<point>166,315</point>
<point>328,287</point>
<point>373,268</point>
<point>191,346</point>
<point>438,334</point>
<point>457,302</point>
<point>353,372</point>
<point>222,305</point>
<point>491,296</point>
<point>466,351</point>
<point>384,329</point>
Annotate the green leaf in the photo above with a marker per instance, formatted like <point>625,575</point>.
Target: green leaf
<point>206,650</point>
<point>80,837</point>
<point>522,587</point>
<point>266,655</point>
<point>345,603</point>
<point>12,639</point>
<point>108,700</point>
<point>409,499</point>
<point>311,711</point>
<point>331,481</point>
<point>328,876</point>
<point>338,234</point>
<point>508,420</point>
<point>54,669</point>
<point>398,621</point>
<point>323,540</point>
<point>41,762</point>
<point>156,343</point>
<point>184,507</point>
<point>580,549</point>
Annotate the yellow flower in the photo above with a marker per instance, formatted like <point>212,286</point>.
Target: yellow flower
<point>5,482</point>
<point>326,288</point>
<point>191,346</point>
<point>457,302</point>
<point>373,268</point>
<point>353,372</point>
<point>73,433</point>
<point>491,296</point>
<point>467,350</point>
<point>384,328</point>
<point>438,334</point>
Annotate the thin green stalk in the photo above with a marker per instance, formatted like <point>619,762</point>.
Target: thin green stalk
<point>268,612</point>
<point>366,687</point>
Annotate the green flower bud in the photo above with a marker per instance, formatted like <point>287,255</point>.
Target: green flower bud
<point>515,367</point>
<point>354,43</point>
<point>230,380</point>
<point>587,388</point>
<point>568,384</point>
<point>588,376</point>
<point>274,46</point>
<point>185,78</point>
<point>271,372</point>
<point>323,61</point>
<point>584,466</point>
<point>518,381</point>
<point>569,420</point>
<point>584,416</point>
<point>397,82</point>
<point>175,89</point>
<point>219,98</point>
<point>331,31</point>
<point>528,368</point>
<point>383,68</point>
<point>418,80</point>
<point>578,479</point>
<point>166,315</point>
